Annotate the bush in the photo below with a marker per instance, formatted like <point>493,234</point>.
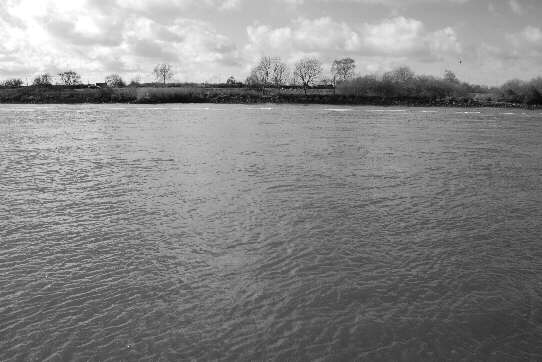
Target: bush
<point>13,83</point>
<point>114,81</point>
<point>43,80</point>
<point>403,83</point>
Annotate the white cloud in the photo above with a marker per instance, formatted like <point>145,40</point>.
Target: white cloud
<point>444,41</point>
<point>102,36</point>
<point>516,7</point>
<point>230,4</point>
<point>526,41</point>
<point>523,52</point>
<point>400,3</point>
<point>398,36</point>
<point>176,5</point>
<point>532,35</point>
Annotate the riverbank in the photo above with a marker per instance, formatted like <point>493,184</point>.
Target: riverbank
<point>151,95</point>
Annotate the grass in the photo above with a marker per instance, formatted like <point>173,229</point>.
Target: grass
<point>197,94</point>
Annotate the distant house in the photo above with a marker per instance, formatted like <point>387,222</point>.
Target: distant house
<point>101,85</point>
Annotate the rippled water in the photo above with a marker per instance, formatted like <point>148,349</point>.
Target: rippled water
<point>278,232</point>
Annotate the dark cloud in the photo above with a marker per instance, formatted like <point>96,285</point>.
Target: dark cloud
<point>152,49</point>
<point>66,30</point>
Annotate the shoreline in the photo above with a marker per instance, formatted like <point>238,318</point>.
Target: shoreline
<point>148,95</point>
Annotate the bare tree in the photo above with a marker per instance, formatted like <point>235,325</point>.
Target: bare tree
<point>70,78</point>
<point>163,72</point>
<point>260,75</point>
<point>43,80</point>
<point>263,70</point>
<point>307,70</point>
<point>400,75</point>
<point>114,81</point>
<point>450,76</point>
<point>342,70</point>
<point>280,72</point>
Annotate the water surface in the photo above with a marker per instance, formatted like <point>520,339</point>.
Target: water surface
<point>232,232</point>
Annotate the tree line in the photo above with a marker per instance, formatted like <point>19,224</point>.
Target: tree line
<point>70,78</point>
<point>269,72</point>
<point>399,83</point>
<point>308,72</point>
<point>272,72</point>
<point>402,82</point>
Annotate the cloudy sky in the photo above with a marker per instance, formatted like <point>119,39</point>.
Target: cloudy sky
<point>208,40</point>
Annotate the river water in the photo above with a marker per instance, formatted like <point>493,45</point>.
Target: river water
<point>232,232</point>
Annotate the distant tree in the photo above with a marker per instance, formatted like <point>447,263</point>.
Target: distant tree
<point>263,70</point>
<point>450,76</point>
<point>399,82</point>
<point>252,80</point>
<point>70,78</point>
<point>231,81</point>
<point>13,83</point>
<point>513,86</point>
<point>342,70</point>
<point>163,72</point>
<point>519,91</point>
<point>280,73</point>
<point>360,86</point>
<point>537,84</point>
<point>307,70</point>
<point>43,80</point>
<point>260,75</point>
<point>114,81</point>
<point>513,89</point>
<point>400,75</point>
<point>532,96</point>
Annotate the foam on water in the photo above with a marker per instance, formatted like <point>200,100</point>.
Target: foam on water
<point>387,110</point>
<point>19,109</point>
